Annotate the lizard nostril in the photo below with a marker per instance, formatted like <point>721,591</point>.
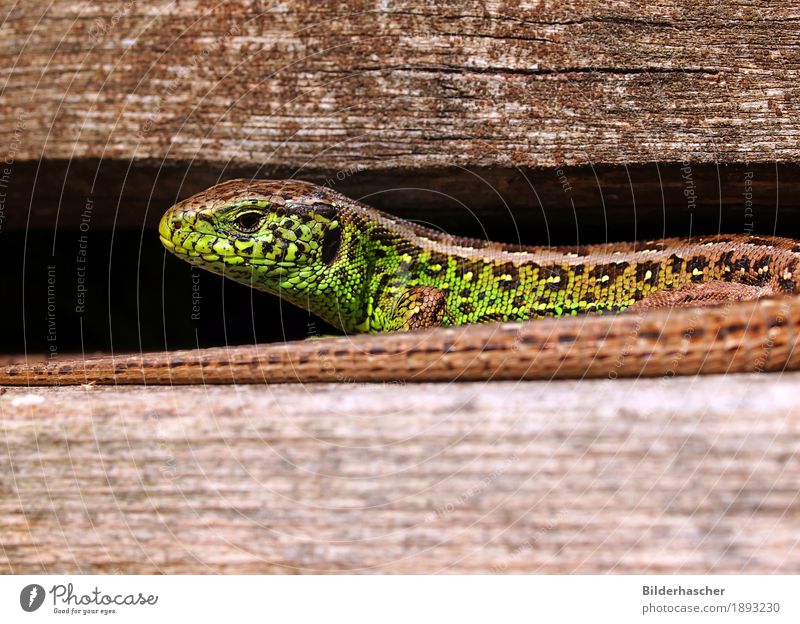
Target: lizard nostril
<point>171,222</point>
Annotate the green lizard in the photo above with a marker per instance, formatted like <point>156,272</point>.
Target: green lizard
<point>366,271</point>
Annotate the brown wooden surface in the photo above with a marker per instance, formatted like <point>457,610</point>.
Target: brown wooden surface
<point>680,475</point>
<point>126,107</point>
<point>133,105</point>
<point>328,85</point>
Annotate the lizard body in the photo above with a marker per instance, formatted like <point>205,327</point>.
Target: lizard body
<point>365,271</point>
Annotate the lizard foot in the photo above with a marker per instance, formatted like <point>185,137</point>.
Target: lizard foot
<point>418,308</point>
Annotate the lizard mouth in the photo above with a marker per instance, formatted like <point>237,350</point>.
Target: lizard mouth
<point>166,231</point>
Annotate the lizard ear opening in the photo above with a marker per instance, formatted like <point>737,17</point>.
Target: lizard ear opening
<point>331,243</point>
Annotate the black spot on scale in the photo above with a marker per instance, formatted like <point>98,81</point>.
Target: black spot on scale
<point>762,264</point>
<point>438,258</point>
<point>695,266</point>
<point>490,317</point>
<point>647,272</point>
<point>325,210</point>
<point>471,266</point>
<point>507,268</point>
<point>741,265</point>
<point>383,282</point>
<point>725,260</point>
<point>556,277</point>
<point>788,286</point>
<point>677,263</point>
<point>549,272</point>
<point>330,245</point>
<point>697,263</point>
<point>612,270</point>
<point>432,270</point>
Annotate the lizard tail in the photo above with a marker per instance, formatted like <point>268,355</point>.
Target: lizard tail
<point>750,336</point>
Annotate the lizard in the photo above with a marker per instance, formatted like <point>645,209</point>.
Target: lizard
<point>418,304</point>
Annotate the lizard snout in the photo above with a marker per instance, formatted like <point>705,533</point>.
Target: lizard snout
<point>174,226</point>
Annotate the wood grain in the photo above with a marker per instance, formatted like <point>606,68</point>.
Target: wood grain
<point>108,105</point>
<point>679,475</point>
<point>468,84</point>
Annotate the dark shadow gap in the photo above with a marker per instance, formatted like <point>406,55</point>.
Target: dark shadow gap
<point>113,286</point>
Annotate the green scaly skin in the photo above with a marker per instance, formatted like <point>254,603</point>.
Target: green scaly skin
<point>362,270</point>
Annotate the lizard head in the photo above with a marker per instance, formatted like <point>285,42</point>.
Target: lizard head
<point>273,235</point>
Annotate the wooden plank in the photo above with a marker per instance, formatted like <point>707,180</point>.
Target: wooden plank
<point>667,475</point>
<point>313,84</point>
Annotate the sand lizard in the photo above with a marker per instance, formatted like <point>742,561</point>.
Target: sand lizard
<point>480,310</point>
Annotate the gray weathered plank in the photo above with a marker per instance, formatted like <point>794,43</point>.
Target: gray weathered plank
<point>315,84</point>
<point>680,475</point>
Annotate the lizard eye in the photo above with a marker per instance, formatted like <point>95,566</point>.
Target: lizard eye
<point>248,221</point>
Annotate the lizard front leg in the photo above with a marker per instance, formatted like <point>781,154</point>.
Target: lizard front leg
<point>416,308</point>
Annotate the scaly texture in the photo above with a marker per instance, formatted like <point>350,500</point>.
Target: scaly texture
<point>365,271</point>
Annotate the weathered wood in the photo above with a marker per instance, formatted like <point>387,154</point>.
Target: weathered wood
<point>124,107</point>
<point>678,475</point>
<point>465,84</point>
<point>104,104</point>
